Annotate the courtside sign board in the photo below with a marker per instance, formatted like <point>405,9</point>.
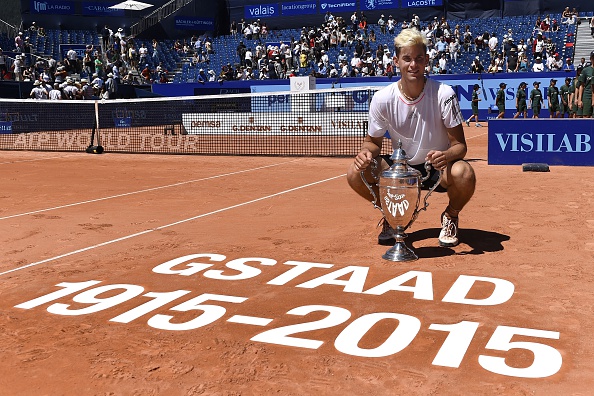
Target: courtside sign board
<point>551,141</point>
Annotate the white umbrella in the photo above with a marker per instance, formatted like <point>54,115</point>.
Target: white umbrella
<point>131,5</point>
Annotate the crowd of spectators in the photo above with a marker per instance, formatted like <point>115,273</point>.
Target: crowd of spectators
<point>353,39</point>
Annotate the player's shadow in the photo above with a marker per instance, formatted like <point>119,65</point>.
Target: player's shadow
<point>478,242</point>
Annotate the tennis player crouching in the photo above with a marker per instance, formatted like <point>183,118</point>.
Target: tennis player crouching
<point>425,115</point>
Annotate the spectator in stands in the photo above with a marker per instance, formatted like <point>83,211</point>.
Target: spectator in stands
<point>443,65</point>
<point>565,15</point>
<point>110,88</point>
<point>96,80</point>
<point>538,46</point>
<point>476,66</point>
<point>555,26</point>
<point>70,90</point>
<point>212,75</point>
<point>38,92</point>
<point>536,100</point>
<point>233,28</point>
<point>391,24</point>
<point>538,66</point>
<point>3,65</point>
<point>521,107</point>
<point>500,63</point>
<point>105,34</point>
<point>522,47</point>
<point>592,26</point>
<point>240,51</point>
<point>18,42</point>
<point>56,92</point>
<point>468,40</point>
<point>61,74</point>
<point>454,49</point>
<point>382,24</point>
<point>493,46</point>
<point>569,66</point>
<point>512,61</point>
<point>554,63</point>
<point>492,67</point>
<point>17,68</point>
<point>523,63</point>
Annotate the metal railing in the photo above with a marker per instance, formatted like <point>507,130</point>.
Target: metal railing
<point>7,29</point>
<point>160,13</point>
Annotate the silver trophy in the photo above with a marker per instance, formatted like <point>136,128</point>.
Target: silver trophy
<point>400,195</point>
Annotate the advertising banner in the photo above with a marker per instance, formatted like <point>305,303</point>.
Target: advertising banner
<point>370,5</point>
<point>337,6</point>
<point>100,9</point>
<point>192,23</point>
<point>549,141</point>
<point>261,11</point>
<point>421,3</point>
<point>267,125</point>
<point>5,127</point>
<point>52,7</point>
<point>299,8</point>
<point>79,48</point>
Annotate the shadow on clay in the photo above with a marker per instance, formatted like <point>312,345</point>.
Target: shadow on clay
<point>472,241</point>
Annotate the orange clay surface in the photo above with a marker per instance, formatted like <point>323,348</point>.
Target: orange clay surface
<point>286,292</point>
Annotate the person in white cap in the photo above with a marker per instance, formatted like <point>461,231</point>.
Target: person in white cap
<point>38,92</point>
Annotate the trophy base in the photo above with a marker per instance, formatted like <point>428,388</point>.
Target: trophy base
<point>399,252</point>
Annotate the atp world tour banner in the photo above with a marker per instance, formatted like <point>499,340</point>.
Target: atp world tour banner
<point>550,141</point>
<point>370,5</point>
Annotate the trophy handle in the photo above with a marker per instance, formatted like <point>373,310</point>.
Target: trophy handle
<point>374,166</point>
<point>428,168</point>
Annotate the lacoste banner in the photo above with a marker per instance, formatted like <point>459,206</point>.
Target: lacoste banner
<point>550,141</point>
<point>421,3</point>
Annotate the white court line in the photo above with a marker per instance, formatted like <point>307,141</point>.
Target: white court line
<point>36,159</point>
<point>472,137</point>
<point>143,191</point>
<point>168,225</point>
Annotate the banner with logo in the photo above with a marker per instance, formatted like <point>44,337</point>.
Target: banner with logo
<point>549,141</point>
<point>5,127</point>
<point>421,3</point>
<point>192,23</point>
<point>261,11</point>
<point>100,9</point>
<point>370,5</point>
<point>337,6</point>
<point>52,7</point>
<point>299,8</point>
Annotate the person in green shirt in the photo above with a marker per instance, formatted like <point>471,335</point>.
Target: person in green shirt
<point>500,100</point>
<point>521,96</point>
<point>474,105</point>
<point>553,99</point>
<point>572,98</point>
<point>564,93</point>
<point>536,99</point>
<point>584,94</point>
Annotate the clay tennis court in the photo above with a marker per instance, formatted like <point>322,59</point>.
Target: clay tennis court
<point>186,275</point>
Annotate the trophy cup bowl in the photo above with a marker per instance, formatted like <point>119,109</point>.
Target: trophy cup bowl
<point>399,199</point>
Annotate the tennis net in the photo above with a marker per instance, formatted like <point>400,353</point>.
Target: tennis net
<point>330,122</point>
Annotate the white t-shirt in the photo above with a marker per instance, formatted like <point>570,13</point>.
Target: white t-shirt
<point>421,125</point>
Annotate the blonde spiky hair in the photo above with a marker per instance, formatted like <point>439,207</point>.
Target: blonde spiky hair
<point>408,38</point>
